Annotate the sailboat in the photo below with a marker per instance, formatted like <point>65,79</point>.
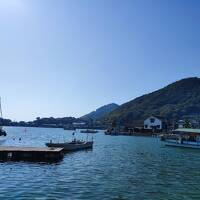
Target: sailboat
<point>2,132</point>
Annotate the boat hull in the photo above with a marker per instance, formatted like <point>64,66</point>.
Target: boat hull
<point>71,146</point>
<point>3,133</point>
<point>89,131</point>
<point>184,145</point>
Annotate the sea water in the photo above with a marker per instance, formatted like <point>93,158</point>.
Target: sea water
<point>118,167</point>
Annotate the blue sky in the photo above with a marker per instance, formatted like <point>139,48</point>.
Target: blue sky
<point>68,57</point>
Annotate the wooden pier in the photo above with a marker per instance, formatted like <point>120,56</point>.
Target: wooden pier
<point>34,154</point>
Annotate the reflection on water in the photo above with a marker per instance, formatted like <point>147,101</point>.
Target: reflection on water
<point>120,167</point>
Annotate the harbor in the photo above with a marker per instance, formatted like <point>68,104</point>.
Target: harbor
<point>114,164</point>
<point>99,100</point>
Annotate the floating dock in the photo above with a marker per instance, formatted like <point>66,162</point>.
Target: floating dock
<point>33,154</point>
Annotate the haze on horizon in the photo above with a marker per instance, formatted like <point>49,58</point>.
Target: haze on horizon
<point>67,58</point>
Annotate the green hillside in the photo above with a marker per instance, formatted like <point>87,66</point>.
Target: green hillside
<point>171,102</point>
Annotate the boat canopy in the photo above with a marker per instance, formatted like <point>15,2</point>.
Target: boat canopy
<point>187,131</point>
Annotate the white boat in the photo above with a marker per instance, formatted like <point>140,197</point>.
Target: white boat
<point>89,131</point>
<point>75,145</point>
<point>185,145</point>
<point>184,137</point>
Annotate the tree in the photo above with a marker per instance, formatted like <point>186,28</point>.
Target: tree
<point>187,124</point>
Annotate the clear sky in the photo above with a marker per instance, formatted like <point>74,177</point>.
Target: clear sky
<point>68,57</point>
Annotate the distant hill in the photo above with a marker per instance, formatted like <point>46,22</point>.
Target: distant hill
<point>41,122</point>
<point>171,102</point>
<point>101,112</point>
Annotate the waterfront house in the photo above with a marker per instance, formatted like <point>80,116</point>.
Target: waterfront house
<point>153,122</point>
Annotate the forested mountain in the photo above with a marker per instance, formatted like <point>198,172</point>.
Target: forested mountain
<point>171,102</point>
<point>101,112</point>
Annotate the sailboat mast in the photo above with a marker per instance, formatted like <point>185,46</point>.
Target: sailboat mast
<point>1,119</point>
<point>2,132</point>
<point>1,109</point>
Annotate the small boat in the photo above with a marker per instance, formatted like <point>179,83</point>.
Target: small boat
<point>69,129</point>
<point>74,145</point>
<point>2,132</point>
<point>184,137</point>
<point>89,131</point>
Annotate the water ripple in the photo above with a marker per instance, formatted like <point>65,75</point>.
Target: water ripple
<point>118,168</point>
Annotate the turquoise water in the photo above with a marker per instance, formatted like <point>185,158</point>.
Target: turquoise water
<point>118,167</point>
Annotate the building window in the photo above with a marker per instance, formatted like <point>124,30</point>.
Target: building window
<point>152,120</point>
<point>146,126</point>
<point>158,126</point>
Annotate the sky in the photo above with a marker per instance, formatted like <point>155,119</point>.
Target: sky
<point>68,57</point>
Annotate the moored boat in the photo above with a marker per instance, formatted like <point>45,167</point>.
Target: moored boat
<point>74,145</point>
<point>89,131</point>
<point>2,132</point>
<point>184,137</point>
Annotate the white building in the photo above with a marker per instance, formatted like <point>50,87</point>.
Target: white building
<point>153,123</point>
